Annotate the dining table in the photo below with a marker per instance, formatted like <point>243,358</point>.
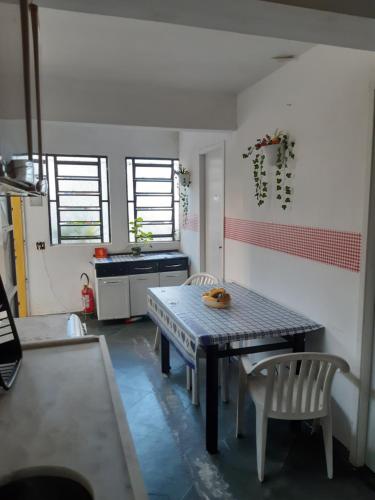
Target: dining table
<point>194,328</point>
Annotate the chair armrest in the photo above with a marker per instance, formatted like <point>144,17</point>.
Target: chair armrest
<point>248,365</point>
<point>74,327</point>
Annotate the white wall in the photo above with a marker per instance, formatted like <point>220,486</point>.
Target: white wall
<point>192,143</point>
<point>325,100</point>
<point>246,16</point>
<point>12,138</point>
<point>53,274</point>
<point>136,104</point>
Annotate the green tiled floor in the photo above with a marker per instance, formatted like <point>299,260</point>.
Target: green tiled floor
<point>168,434</point>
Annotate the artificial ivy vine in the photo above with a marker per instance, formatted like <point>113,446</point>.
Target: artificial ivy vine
<point>184,177</point>
<point>185,203</point>
<point>285,152</point>
<point>260,178</point>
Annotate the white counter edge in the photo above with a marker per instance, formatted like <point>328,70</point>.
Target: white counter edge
<point>123,426</point>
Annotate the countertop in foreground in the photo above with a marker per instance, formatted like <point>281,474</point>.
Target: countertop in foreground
<point>65,410</point>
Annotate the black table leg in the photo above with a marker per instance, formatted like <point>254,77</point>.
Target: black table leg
<point>299,343</point>
<point>164,355</point>
<point>212,398</point>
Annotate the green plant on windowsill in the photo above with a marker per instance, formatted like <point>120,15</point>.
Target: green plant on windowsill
<point>140,236</point>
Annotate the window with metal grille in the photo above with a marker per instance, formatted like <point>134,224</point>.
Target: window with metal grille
<point>78,199</point>
<point>153,195</point>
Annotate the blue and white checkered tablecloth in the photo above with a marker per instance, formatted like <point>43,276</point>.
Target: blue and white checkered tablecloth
<point>189,323</point>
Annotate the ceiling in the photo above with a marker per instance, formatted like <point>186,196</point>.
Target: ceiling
<point>174,64</point>
<point>10,36</point>
<point>363,8</point>
<point>89,47</point>
<point>256,17</point>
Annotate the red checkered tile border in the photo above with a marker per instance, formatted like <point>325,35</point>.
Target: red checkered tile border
<point>191,222</point>
<point>336,248</point>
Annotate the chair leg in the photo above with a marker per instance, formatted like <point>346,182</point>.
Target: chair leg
<point>195,385</point>
<point>242,383</point>
<point>224,372</point>
<point>327,436</point>
<point>261,440</point>
<point>315,426</point>
<point>188,378</point>
<point>157,339</point>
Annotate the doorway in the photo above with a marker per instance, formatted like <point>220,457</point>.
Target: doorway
<point>211,210</point>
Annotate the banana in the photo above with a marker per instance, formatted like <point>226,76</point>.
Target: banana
<point>214,292</point>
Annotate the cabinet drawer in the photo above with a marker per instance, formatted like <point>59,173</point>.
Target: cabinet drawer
<point>173,278</point>
<point>111,269</point>
<point>142,267</point>
<point>173,265</point>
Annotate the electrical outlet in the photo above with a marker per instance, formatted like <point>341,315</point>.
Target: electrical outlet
<point>40,245</point>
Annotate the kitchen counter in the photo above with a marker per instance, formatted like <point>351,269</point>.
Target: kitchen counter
<point>65,410</point>
<point>143,257</point>
<point>121,281</point>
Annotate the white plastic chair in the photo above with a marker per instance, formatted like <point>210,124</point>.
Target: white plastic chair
<point>201,279</point>
<point>289,387</point>
<point>192,381</point>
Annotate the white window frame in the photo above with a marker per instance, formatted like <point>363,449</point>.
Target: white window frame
<point>57,195</point>
<point>133,208</point>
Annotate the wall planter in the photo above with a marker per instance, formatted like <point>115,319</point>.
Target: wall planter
<point>185,179</point>
<point>271,152</point>
<point>185,182</point>
<point>277,150</point>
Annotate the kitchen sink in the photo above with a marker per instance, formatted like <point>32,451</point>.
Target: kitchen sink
<point>44,487</point>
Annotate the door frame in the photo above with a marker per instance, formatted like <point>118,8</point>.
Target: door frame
<point>359,451</point>
<point>202,205</point>
<point>18,221</point>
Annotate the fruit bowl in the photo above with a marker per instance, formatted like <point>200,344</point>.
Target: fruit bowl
<point>216,298</point>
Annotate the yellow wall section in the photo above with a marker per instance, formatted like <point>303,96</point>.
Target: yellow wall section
<point>19,250</point>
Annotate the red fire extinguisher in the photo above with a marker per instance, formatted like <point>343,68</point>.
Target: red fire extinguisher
<point>87,294</point>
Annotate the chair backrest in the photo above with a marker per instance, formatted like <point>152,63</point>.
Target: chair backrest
<point>298,385</point>
<point>202,279</point>
<point>10,345</point>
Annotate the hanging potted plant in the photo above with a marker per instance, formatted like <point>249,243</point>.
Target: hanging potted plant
<point>272,145</point>
<point>185,182</point>
<point>278,148</point>
<point>184,176</point>
<point>140,237</point>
